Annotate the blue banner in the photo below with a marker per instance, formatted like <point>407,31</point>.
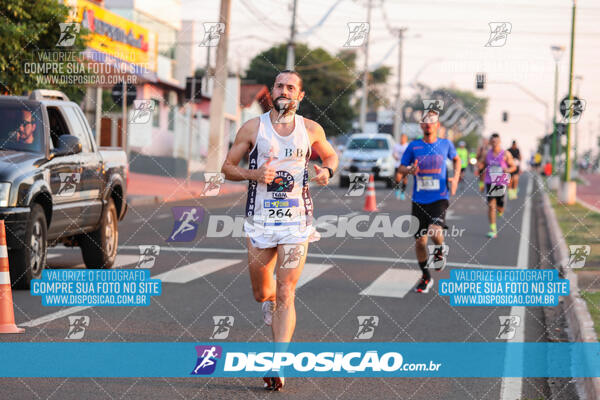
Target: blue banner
<point>235,359</point>
<point>97,287</point>
<point>504,287</point>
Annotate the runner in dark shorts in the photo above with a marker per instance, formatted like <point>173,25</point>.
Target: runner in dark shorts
<point>426,160</point>
<point>496,165</point>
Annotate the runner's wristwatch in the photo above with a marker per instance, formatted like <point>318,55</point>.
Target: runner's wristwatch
<point>330,172</point>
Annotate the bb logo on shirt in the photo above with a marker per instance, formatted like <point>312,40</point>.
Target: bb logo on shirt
<point>296,153</point>
<point>282,184</point>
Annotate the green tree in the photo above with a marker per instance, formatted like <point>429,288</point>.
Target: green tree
<point>329,82</point>
<point>28,29</point>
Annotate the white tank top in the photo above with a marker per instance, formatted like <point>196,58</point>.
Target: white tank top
<point>286,201</point>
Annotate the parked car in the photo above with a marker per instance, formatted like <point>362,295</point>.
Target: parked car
<point>368,152</point>
<point>56,184</point>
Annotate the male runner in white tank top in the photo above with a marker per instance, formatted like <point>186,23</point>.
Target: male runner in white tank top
<point>279,206</point>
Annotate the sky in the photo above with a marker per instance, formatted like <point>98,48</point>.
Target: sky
<point>445,46</point>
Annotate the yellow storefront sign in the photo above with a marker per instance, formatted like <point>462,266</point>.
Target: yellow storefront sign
<point>116,36</point>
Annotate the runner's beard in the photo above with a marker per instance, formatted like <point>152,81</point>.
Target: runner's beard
<point>286,108</point>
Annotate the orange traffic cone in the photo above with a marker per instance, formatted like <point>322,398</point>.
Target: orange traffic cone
<point>7,314</point>
<point>370,203</point>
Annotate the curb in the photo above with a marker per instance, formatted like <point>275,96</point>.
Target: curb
<point>581,326</point>
<point>588,205</point>
<point>143,200</point>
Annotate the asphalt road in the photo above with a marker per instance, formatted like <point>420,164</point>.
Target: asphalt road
<point>350,278</point>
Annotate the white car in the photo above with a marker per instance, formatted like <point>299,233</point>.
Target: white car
<point>371,153</point>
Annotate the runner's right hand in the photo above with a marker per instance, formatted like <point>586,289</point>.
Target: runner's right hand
<point>414,169</point>
<point>266,173</point>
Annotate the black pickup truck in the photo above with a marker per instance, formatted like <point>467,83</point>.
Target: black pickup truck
<point>56,184</point>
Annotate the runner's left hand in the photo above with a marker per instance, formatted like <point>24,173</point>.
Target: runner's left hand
<point>453,185</point>
<point>322,177</point>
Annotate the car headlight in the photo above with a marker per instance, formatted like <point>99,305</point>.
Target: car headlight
<point>346,160</point>
<point>4,193</point>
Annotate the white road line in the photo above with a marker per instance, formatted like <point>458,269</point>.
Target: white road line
<point>393,283</point>
<point>124,260</point>
<point>512,388</point>
<point>310,272</point>
<point>53,316</point>
<point>151,218</point>
<point>321,256</point>
<point>450,215</point>
<point>195,270</point>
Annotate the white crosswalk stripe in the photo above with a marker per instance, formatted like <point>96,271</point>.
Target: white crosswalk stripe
<point>393,282</point>
<point>310,272</point>
<point>195,270</point>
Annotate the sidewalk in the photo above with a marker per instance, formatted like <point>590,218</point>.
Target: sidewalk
<point>588,194</point>
<point>152,189</point>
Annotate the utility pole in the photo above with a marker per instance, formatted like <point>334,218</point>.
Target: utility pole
<point>365,80</point>
<point>214,159</point>
<point>398,107</point>
<point>191,129</point>
<point>291,56</point>
<point>567,176</point>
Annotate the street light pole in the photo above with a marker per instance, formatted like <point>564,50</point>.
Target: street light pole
<point>365,80</point>
<point>567,176</point>
<point>398,108</point>
<point>291,54</point>
<point>578,78</point>
<point>557,52</point>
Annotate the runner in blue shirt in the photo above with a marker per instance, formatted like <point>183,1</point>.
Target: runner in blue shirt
<point>426,160</point>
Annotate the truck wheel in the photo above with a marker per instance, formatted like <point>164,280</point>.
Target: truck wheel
<point>390,183</point>
<point>99,248</point>
<point>28,262</point>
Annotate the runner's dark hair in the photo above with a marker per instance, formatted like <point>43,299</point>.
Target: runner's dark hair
<point>289,71</point>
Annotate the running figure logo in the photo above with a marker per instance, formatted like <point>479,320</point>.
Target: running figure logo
<point>142,111</point>
<point>358,34</point>
<point>508,326</point>
<point>572,110</point>
<point>437,256</point>
<point>366,326</point>
<point>435,105</point>
<point>499,32</point>
<point>292,255</point>
<point>68,183</point>
<point>68,33</point>
<point>186,224</point>
<point>212,34</point>
<point>223,324</point>
<point>148,254</point>
<point>212,183</point>
<point>358,184</point>
<point>77,325</point>
<point>578,255</point>
<point>499,184</point>
<point>207,359</point>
